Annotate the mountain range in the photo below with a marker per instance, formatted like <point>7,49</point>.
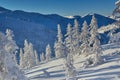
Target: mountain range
<point>40,29</point>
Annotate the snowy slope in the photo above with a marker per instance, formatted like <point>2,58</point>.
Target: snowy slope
<point>108,70</point>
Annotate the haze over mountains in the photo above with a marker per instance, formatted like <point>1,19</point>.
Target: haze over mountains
<point>40,29</point>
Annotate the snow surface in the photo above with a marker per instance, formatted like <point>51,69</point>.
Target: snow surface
<point>108,70</point>
<point>108,28</point>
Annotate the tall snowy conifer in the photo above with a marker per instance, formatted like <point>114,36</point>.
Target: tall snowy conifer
<point>36,57</point>
<point>93,29</point>
<point>70,71</point>
<point>69,40</point>
<point>8,68</point>
<point>31,56</point>
<point>42,56</point>
<point>11,44</point>
<point>95,42</point>
<point>22,65</point>
<point>58,45</point>
<point>76,36</point>
<point>48,52</point>
<point>85,35</point>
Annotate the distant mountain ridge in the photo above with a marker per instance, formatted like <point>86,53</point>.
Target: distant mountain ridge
<point>40,29</point>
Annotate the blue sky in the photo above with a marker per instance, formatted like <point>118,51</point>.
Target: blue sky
<point>62,7</point>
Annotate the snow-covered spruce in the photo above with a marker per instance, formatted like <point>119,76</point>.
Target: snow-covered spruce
<point>8,67</point>
<point>42,57</point>
<point>48,53</point>
<point>59,45</point>
<point>29,58</point>
<point>85,36</point>
<point>36,57</point>
<point>76,36</point>
<point>94,41</point>
<point>69,40</point>
<point>70,71</point>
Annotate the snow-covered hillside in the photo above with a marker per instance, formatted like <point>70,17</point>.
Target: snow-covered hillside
<point>107,70</point>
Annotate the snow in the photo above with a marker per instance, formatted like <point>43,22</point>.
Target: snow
<point>108,28</point>
<point>108,70</point>
<point>70,17</point>
<point>117,2</point>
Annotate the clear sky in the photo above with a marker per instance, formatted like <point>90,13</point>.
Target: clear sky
<point>62,7</point>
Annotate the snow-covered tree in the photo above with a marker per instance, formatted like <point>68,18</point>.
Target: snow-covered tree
<point>117,9</point>
<point>9,34</point>
<point>58,45</point>
<point>36,57</point>
<point>26,45</point>
<point>48,52</point>
<point>76,36</point>
<point>22,65</point>
<point>85,35</point>
<point>71,73</point>
<point>42,57</point>
<point>26,53</point>
<point>69,40</point>
<point>31,56</point>
<point>12,44</point>
<point>93,30</point>
<point>97,50</point>
<point>69,50</point>
<point>94,41</point>
<point>8,68</point>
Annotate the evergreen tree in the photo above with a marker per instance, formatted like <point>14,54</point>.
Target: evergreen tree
<point>48,52</point>
<point>42,56</point>
<point>97,50</point>
<point>12,44</point>
<point>59,46</point>
<point>93,30</point>
<point>9,34</point>
<point>8,68</point>
<point>69,40</point>
<point>94,41</point>
<point>36,57</point>
<point>22,65</point>
<point>31,56</point>
<point>26,53</point>
<point>85,35</point>
<point>76,36</point>
<point>71,73</point>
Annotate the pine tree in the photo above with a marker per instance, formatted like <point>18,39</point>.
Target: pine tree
<point>75,36</point>
<point>94,40</point>
<point>71,73</point>
<point>93,30</point>
<point>48,52</point>
<point>97,50</point>
<point>9,34</point>
<point>117,9</point>
<point>85,35</point>
<point>26,53</point>
<point>12,44</point>
<point>21,59</point>
<point>58,45</point>
<point>69,40</point>
<point>36,57</point>
<point>8,68</point>
<point>42,56</point>
<point>31,56</point>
